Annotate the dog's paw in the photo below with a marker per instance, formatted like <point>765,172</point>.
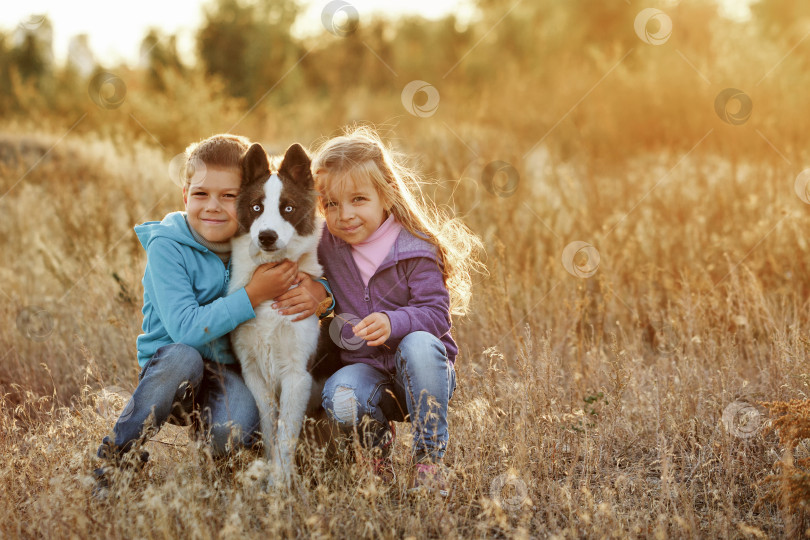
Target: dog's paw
<point>256,476</point>
<point>279,481</point>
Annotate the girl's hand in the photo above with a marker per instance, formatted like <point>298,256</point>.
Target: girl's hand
<point>303,299</point>
<point>376,329</point>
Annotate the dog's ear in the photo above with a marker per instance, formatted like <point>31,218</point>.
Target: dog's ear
<point>297,165</point>
<point>255,165</point>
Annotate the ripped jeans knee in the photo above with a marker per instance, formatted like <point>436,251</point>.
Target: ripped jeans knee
<point>343,408</point>
<point>351,398</point>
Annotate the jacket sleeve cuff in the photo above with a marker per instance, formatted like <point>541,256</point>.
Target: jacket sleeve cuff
<point>400,323</point>
<point>239,307</point>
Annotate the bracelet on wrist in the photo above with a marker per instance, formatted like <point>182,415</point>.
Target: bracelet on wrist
<point>327,305</point>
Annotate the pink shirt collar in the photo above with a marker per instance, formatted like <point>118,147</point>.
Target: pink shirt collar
<point>369,254</point>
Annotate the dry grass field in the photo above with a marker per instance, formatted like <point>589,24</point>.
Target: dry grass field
<point>645,305</point>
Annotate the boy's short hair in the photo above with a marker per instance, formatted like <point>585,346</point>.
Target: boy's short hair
<point>222,150</point>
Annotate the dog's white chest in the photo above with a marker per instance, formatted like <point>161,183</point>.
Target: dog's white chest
<point>274,343</point>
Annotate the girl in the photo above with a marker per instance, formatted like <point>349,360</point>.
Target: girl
<point>188,371</point>
<point>398,269</point>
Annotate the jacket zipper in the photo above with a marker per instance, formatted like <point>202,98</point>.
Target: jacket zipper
<point>227,276</point>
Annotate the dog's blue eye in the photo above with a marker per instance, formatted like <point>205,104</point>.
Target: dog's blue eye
<point>257,208</point>
<point>288,209</point>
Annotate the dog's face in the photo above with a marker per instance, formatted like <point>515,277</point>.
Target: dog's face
<point>276,208</point>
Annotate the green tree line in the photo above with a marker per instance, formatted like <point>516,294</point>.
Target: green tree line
<point>512,66</point>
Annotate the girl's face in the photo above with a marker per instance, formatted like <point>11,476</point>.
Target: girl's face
<point>211,204</point>
<point>354,209</point>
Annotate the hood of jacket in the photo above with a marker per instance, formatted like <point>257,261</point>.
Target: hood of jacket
<point>173,226</point>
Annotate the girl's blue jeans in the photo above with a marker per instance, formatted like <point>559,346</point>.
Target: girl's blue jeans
<point>178,386</point>
<point>419,391</point>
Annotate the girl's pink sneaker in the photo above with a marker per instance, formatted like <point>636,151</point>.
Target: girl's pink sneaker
<point>431,478</point>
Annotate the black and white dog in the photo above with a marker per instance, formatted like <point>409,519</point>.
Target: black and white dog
<point>277,220</point>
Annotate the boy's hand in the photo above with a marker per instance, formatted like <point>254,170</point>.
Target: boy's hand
<point>270,280</point>
<point>376,329</point>
<point>303,299</point>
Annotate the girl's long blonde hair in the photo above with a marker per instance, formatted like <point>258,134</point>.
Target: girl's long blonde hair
<point>361,155</point>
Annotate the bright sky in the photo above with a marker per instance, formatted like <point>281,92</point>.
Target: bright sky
<point>115,33</point>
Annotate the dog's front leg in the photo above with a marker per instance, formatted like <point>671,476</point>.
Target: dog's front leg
<point>295,389</point>
<point>267,403</point>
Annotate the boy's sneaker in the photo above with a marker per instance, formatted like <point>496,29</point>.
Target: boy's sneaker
<point>431,478</point>
<point>101,489</point>
<point>103,475</point>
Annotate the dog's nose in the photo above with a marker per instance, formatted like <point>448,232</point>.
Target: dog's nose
<point>267,239</point>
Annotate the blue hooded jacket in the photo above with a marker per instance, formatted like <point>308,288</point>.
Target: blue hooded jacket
<point>184,288</point>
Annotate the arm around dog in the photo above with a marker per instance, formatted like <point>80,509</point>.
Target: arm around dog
<point>167,281</point>
<point>304,299</point>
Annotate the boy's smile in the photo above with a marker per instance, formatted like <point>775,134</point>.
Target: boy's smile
<point>211,204</point>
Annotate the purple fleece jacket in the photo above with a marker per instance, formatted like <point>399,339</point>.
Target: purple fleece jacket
<point>408,287</point>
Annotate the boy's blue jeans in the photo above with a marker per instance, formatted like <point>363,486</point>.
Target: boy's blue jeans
<point>175,383</point>
<point>418,392</point>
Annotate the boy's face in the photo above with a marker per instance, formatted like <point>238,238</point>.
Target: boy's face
<point>211,203</point>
